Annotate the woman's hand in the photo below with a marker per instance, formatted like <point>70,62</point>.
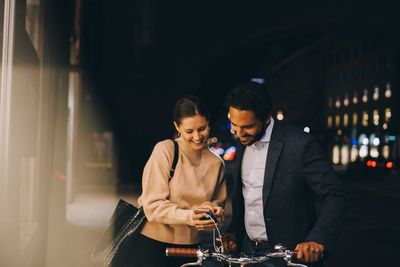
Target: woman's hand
<point>217,211</point>
<point>202,222</point>
<point>201,219</point>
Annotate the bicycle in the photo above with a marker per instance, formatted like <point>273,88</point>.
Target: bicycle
<point>202,254</point>
<point>279,252</point>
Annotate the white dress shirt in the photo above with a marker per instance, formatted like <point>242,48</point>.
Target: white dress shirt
<point>253,170</point>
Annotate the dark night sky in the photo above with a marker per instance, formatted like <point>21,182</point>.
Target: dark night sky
<point>202,47</point>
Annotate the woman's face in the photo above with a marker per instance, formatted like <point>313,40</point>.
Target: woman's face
<point>194,130</point>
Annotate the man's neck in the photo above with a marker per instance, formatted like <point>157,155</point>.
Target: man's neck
<point>261,133</point>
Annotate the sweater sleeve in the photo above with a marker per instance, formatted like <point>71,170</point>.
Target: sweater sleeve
<point>155,182</point>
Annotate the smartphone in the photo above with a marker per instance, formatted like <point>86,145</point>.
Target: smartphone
<point>209,213</point>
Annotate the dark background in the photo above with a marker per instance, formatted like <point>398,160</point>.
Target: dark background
<point>139,57</point>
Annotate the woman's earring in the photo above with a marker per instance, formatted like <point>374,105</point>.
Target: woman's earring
<point>179,134</point>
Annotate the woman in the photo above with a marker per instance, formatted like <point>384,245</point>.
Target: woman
<point>170,204</point>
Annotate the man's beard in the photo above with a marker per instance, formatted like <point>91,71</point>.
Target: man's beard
<point>258,135</point>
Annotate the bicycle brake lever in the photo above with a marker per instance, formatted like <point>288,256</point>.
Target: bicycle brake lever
<point>285,254</point>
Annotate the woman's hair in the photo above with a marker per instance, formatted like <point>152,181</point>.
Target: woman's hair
<point>188,106</point>
<point>251,96</point>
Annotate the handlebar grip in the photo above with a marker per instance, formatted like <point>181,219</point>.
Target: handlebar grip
<point>182,252</point>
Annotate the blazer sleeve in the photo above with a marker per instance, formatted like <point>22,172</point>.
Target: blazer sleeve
<point>325,183</point>
<point>155,184</point>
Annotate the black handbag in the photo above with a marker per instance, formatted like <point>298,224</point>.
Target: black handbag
<point>126,221</point>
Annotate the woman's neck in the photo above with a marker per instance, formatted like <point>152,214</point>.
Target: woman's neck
<point>193,154</point>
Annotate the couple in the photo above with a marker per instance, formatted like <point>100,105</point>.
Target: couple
<point>280,175</point>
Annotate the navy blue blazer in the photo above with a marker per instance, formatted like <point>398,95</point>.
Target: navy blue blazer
<point>297,178</point>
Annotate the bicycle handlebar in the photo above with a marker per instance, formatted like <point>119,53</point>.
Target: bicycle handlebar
<point>183,252</point>
<point>280,252</point>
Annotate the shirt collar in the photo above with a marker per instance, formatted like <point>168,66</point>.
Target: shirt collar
<point>266,137</point>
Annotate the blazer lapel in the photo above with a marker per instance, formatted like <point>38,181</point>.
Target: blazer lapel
<point>238,166</point>
<point>274,151</point>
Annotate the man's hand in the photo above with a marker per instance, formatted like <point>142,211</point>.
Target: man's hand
<point>309,251</point>
<point>229,243</point>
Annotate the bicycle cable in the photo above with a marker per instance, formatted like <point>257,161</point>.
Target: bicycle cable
<point>219,249</point>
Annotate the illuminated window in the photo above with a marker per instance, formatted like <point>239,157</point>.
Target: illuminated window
<point>335,154</point>
<point>390,138</point>
<point>388,91</point>
<point>355,98</point>
<point>258,80</point>
<point>355,119</point>
<point>375,96</point>
<point>363,151</point>
<point>346,100</point>
<point>375,117</point>
<point>353,153</point>
<point>337,120</point>
<point>388,114</point>
<point>386,152</point>
<point>279,115</point>
<point>363,139</point>
<point>364,119</point>
<point>344,155</point>
<point>337,102</point>
<point>374,153</point>
<point>345,120</point>
<point>365,96</point>
<point>376,141</point>
<point>371,139</point>
<point>329,121</point>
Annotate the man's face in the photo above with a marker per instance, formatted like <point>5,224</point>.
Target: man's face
<point>245,125</point>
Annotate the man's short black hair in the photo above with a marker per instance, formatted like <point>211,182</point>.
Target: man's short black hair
<point>251,96</point>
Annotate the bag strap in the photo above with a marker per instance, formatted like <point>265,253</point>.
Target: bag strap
<point>175,161</point>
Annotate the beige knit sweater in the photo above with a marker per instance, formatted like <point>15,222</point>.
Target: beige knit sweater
<point>168,205</point>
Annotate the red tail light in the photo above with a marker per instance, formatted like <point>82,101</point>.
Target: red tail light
<point>389,164</point>
<point>371,163</point>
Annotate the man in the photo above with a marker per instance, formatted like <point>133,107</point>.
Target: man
<point>279,176</point>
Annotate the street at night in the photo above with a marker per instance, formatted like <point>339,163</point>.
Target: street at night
<point>371,232</point>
